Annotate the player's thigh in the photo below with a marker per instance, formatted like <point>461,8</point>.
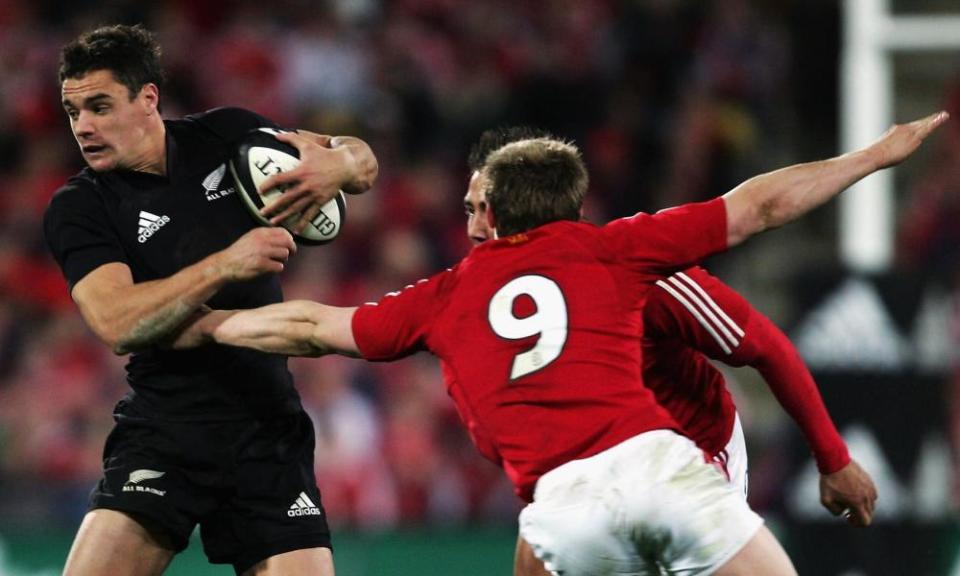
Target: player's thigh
<point>525,562</point>
<point>762,556</point>
<point>306,562</point>
<point>111,542</point>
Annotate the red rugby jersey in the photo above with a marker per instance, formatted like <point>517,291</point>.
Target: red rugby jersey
<point>537,333</point>
<point>691,316</point>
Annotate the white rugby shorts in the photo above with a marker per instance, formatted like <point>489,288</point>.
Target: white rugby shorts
<point>734,458</point>
<point>647,506</point>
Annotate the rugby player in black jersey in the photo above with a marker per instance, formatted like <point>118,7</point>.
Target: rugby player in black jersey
<point>148,234</point>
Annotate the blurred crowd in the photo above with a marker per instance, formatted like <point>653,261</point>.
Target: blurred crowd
<point>670,100</point>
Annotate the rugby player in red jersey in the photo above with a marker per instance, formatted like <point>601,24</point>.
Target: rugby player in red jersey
<point>536,332</point>
<point>690,318</point>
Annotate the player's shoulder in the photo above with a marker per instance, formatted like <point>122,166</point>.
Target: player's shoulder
<point>228,122</point>
<point>81,188</point>
<point>80,200</point>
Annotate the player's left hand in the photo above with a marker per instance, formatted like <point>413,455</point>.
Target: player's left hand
<point>849,492</point>
<point>901,140</point>
<point>322,172</point>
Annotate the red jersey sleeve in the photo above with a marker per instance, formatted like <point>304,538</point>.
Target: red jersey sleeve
<point>671,239</point>
<point>399,323</point>
<point>700,310</point>
<point>770,352</point>
<point>712,318</point>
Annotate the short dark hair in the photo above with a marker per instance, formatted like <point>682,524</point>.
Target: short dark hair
<point>534,182</point>
<point>496,138</point>
<point>131,53</point>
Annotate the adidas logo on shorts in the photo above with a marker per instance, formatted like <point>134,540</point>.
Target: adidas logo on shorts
<point>149,224</point>
<point>303,507</point>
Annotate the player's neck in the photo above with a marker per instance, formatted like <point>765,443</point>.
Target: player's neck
<point>152,158</point>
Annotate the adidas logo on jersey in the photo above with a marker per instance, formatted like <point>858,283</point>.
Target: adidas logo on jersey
<point>149,224</point>
<point>303,507</point>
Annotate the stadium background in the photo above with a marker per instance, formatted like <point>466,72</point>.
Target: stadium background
<point>670,100</point>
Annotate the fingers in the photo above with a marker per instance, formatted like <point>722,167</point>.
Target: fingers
<point>296,196</point>
<point>858,516</point>
<point>295,139</point>
<point>931,123</point>
<point>306,217</point>
<point>284,181</point>
<point>293,210</point>
<point>835,507</point>
<point>277,238</point>
<point>319,139</point>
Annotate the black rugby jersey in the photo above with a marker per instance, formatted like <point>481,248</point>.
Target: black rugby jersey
<point>157,225</point>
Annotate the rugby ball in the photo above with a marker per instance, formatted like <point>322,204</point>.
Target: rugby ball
<point>259,156</point>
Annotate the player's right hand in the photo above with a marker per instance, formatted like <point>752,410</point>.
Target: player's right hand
<point>259,251</point>
<point>849,492</point>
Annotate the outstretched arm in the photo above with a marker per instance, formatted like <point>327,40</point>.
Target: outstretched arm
<point>295,328</point>
<point>775,198</point>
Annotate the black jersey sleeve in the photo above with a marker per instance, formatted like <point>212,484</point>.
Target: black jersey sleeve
<point>229,124</point>
<point>78,231</point>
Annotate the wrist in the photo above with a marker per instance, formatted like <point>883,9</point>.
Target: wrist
<point>871,157</point>
<point>210,322</point>
<point>215,270</point>
<point>359,164</point>
<point>348,176</point>
<point>832,460</point>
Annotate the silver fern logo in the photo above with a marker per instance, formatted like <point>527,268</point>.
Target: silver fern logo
<point>138,476</point>
<point>211,184</point>
<point>212,181</point>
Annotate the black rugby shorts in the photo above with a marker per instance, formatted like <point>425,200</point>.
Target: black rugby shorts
<point>248,484</point>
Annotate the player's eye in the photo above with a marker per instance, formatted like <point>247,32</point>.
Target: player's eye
<point>73,114</point>
<point>101,109</point>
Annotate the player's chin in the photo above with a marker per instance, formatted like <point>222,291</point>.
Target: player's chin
<point>101,161</point>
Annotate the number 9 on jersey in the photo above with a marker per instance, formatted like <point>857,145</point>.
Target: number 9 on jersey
<point>549,321</point>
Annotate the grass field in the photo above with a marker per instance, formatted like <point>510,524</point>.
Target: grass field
<point>474,552</point>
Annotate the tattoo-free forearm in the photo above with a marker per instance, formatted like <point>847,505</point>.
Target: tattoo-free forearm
<point>296,328</point>
<point>776,198</point>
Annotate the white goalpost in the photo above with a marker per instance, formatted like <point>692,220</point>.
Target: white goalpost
<point>871,36</point>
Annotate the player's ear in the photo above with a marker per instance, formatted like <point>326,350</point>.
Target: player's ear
<point>151,97</point>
